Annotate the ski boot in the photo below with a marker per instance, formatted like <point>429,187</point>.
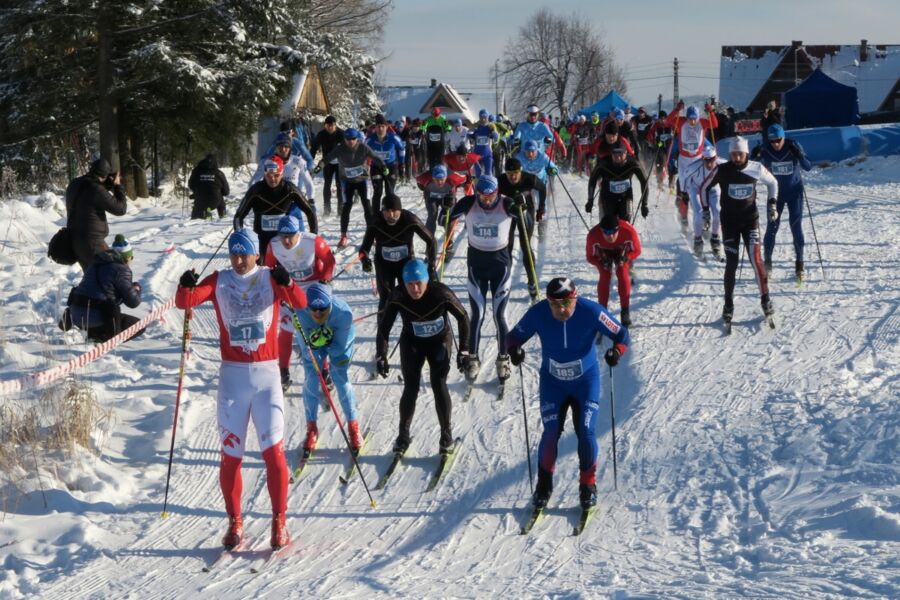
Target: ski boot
<point>715,245</point>
<point>356,440</point>
<point>727,313</point>
<point>312,436</point>
<point>472,368</point>
<point>767,307</point>
<point>401,444</point>
<point>446,443</point>
<point>543,489</point>
<point>343,242</point>
<point>799,273</point>
<point>768,265</point>
<point>503,368</point>
<point>532,292</point>
<point>587,494</point>
<point>285,379</point>
<point>328,209</point>
<point>698,246</point>
<point>280,535</point>
<point>235,532</point>
<point>625,317</point>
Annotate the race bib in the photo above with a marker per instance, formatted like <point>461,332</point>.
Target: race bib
<point>246,332</point>
<point>741,191</point>
<point>620,187</point>
<point>434,137</point>
<point>783,168</point>
<point>566,371</point>
<point>690,146</point>
<point>487,231</point>
<point>583,141</point>
<point>269,222</point>
<point>394,253</point>
<point>482,140</point>
<point>301,274</point>
<point>414,142</point>
<point>428,328</point>
<point>383,154</point>
<point>642,126</point>
<point>665,137</point>
<point>353,172</point>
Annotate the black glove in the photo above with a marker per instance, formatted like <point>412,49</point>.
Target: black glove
<point>607,261</point>
<point>707,218</point>
<point>612,357</point>
<point>548,140</point>
<point>540,215</point>
<point>281,275</point>
<point>589,206</point>
<point>447,202</point>
<point>621,259</point>
<point>189,279</point>
<point>645,210</point>
<point>516,355</point>
<point>318,168</point>
<point>238,224</point>
<point>381,366</point>
<point>756,153</point>
<point>773,210</point>
<point>517,202</point>
<point>366,262</point>
<point>462,359</point>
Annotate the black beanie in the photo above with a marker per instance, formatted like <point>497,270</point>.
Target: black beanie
<point>391,202</point>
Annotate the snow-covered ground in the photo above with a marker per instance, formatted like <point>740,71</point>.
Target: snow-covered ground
<point>761,465</point>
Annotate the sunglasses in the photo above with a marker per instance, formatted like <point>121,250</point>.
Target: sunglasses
<point>563,303</point>
<point>610,231</point>
<point>319,310</point>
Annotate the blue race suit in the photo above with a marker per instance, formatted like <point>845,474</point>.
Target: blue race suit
<point>537,131</point>
<point>392,151</point>
<point>483,138</point>
<point>784,166</point>
<point>570,375</point>
<point>339,328</point>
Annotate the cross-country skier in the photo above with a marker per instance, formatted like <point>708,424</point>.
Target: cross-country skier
<point>705,206</point>
<point>352,157</point>
<point>327,140</point>
<point>533,129</point>
<point>295,168</point>
<point>613,244</point>
<point>463,163</point>
<point>423,307</point>
<point>484,136</point>
<point>784,158</point>
<point>660,138</point>
<point>489,218</point>
<point>270,199</point>
<point>393,231</point>
<point>435,128</point>
<point>614,173</point>
<point>388,147</point>
<point>458,133</point>
<point>438,185</point>
<point>691,132</point>
<point>328,324</point>
<point>246,298</point>
<point>308,259</point>
<point>740,218</point>
<point>567,326</point>
<point>515,182</point>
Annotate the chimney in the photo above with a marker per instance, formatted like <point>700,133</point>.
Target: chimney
<point>796,44</point>
<point>434,83</point>
<point>863,50</point>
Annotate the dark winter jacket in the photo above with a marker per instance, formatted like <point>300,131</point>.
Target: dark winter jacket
<point>106,284</point>
<point>326,142</point>
<point>208,183</point>
<point>87,202</point>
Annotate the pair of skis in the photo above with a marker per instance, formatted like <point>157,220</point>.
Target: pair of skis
<point>537,514</point>
<point>349,470</point>
<point>270,556</point>
<point>446,462</point>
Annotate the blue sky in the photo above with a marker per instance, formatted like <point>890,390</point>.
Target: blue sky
<point>458,41</point>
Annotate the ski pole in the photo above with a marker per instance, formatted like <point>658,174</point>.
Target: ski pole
<point>572,200</point>
<point>448,235</point>
<point>185,342</point>
<point>337,417</point>
<point>527,441</point>
<point>222,243</point>
<point>818,250</point>
<point>612,413</point>
<point>349,264</point>
<point>528,255</point>
<point>712,131</point>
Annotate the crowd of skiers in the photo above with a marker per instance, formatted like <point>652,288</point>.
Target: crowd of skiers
<point>497,180</point>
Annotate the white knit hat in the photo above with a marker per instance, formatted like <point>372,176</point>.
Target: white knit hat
<point>739,144</point>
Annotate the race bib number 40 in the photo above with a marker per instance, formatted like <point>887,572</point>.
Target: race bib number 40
<point>428,328</point>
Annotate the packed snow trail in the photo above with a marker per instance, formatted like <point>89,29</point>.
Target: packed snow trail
<point>761,464</point>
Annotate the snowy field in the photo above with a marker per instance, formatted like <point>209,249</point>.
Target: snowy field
<point>760,465</point>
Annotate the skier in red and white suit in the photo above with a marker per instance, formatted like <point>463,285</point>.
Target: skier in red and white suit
<point>613,244</point>
<point>247,298</point>
<point>691,132</point>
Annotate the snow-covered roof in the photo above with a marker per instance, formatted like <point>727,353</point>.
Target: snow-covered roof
<point>415,102</point>
<point>745,71</point>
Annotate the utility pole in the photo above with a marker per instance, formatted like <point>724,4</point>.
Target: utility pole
<point>675,90</point>
<point>659,104</point>
<point>497,85</point>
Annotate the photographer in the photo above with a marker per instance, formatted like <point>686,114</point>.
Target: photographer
<point>88,199</point>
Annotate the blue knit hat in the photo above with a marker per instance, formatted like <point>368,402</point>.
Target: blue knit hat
<point>318,296</point>
<point>415,270</point>
<point>439,171</point>
<point>243,241</point>
<point>776,132</point>
<point>288,224</point>
<point>693,112</point>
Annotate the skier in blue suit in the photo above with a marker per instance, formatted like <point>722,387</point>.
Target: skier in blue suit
<point>784,158</point>
<point>534,129</point>
<point>328,323</point>
<point>483,137</point>
<point>569,376</point>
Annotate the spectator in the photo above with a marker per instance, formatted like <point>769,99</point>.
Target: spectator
<point>209,187</point>
<point>88,199</point>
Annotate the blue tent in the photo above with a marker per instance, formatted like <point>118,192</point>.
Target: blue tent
<point>820,101</point>
<point>604,105</point>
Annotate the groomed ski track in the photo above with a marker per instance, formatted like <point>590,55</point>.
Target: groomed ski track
<point>757,465</point>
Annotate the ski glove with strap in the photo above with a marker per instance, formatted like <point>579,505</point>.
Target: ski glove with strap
<point>189,279</point>
<point>281,275</point>
<point>366,262</point>
<point>516,355</point>
<point>612,357</point>
<point>773,210</point>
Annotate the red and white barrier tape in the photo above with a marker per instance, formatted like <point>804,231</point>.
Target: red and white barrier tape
<point>42,378</point>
